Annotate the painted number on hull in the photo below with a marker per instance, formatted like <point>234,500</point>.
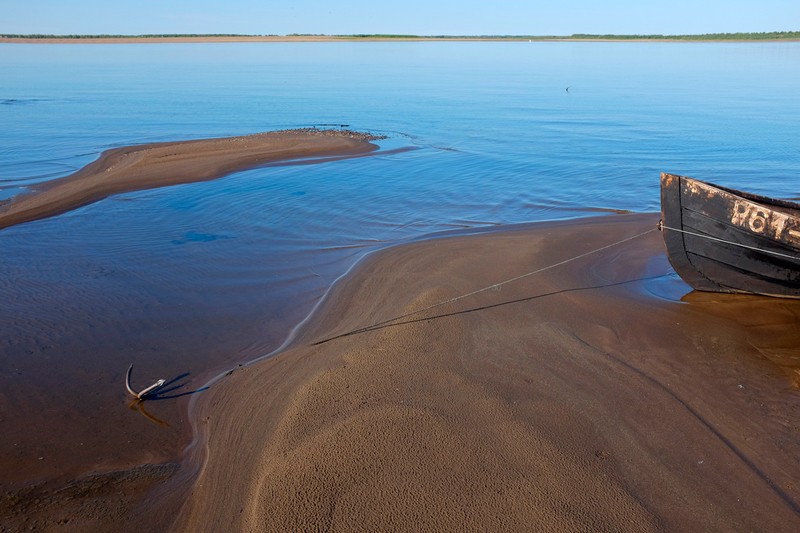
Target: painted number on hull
<point>764,222</point>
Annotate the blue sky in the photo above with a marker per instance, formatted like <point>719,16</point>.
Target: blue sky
<point>419,17</point>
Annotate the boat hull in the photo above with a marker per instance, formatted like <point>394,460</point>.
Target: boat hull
<point>723,240</point>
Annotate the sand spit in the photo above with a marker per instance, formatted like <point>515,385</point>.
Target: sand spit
<point>574,399</point>
<point>153,165</point>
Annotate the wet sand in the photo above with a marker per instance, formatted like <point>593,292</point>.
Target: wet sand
<point>147,166</point>
<point>67,426</point>
<point>584,397</point>
<point>587,396</point>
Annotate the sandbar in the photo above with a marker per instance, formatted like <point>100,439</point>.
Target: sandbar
<point>580,398</point>
<point>428,393</point>
<point>148,166</point>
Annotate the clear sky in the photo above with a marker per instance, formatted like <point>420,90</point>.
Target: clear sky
<point>418,17</point>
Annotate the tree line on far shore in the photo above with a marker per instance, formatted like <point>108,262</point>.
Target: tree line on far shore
<point>742,36</point>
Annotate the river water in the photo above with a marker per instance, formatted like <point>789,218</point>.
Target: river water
<point>187,281</point>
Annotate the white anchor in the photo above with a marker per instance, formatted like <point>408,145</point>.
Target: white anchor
<point>145,392</point>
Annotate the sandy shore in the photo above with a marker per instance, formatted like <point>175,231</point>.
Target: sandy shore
<point>573,399</point>
<point>153,165</point>
<point>588,396</point>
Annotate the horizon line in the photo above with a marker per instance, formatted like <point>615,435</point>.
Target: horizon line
<point>771,35</point>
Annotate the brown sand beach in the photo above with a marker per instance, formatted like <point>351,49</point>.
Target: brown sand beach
<point>153,165</point>
<point>580,398</point>
<point>575,399</point>
<point>585,395</point>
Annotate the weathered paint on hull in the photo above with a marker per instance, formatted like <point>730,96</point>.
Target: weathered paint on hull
<point>730,241</point>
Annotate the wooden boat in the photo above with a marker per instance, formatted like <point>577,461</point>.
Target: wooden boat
<point>724,240</point>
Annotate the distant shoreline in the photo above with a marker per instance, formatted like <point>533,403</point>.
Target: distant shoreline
<point>792,36</point>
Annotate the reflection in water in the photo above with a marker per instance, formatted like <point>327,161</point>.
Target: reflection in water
<point>771,325</point>
<point>138,405</point>
<point>669,286</point>
<point>167,391</point>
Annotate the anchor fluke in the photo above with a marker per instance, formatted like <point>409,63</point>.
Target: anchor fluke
<point>141,395</point>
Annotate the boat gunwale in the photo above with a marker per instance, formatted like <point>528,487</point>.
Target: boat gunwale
<point>780,203</point>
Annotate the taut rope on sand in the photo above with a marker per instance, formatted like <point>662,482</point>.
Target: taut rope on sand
<point>661,226</point>
<point>484,289</point>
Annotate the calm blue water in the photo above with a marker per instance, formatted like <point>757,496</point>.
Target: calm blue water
<point>196,277</point>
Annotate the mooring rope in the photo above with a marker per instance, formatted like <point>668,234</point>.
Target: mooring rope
<point>709,237</point>
<point>484,289</point>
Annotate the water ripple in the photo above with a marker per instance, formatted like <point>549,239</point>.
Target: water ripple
<point>198,276</point>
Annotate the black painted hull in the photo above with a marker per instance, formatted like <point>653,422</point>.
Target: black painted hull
<point>723,240</point>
